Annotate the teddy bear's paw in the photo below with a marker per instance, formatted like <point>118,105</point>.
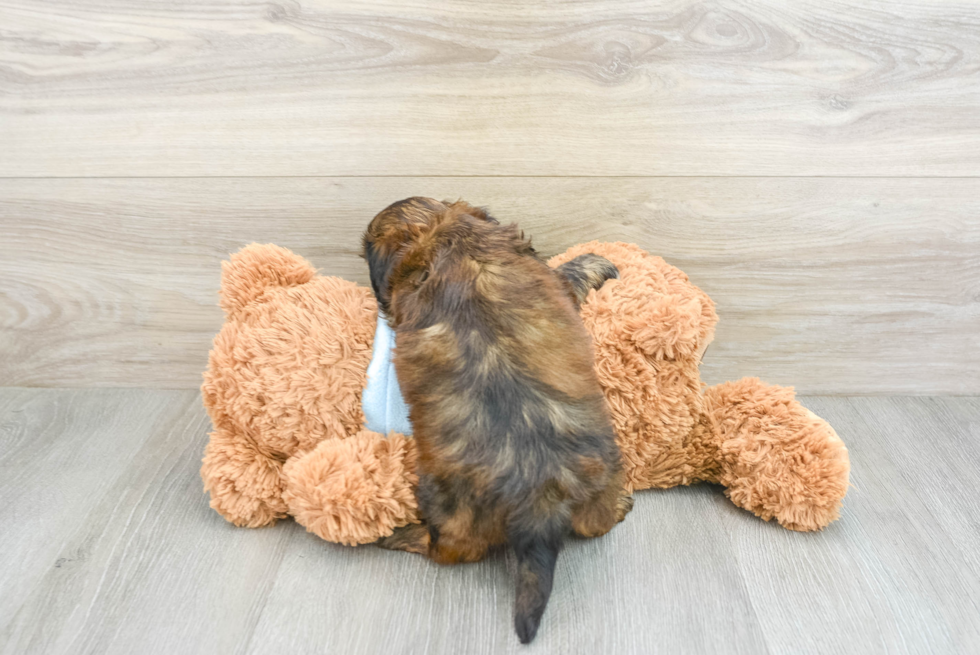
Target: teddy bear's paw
<point>778,459</point>
<point>244,484</point>
<point>353,491</point>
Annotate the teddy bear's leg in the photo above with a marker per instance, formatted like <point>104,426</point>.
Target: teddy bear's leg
<point>777,459</point>
<point>244,484</point>
<point>355,490</point>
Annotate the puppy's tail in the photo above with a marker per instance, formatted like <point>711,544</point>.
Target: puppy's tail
<point>537,552</point>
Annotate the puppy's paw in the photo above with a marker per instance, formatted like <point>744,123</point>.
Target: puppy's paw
<point>623,507</point>
<point>413,538</point>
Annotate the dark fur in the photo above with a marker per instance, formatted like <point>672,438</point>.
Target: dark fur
<point>515,444</point>
<point>585,273</point>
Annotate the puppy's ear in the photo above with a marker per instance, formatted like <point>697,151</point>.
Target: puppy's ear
<point>461,207</point>
<point>483,214</point>
<point>415,259</point>
<point>380,265</point>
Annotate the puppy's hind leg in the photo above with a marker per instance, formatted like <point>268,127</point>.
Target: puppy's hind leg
<point>438,545</point>
<point>413,538</point>
<point>418,537</point>
<point>603,511</point>
<point>453,548</point>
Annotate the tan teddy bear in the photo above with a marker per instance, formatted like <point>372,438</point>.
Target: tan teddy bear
<point>285,376</point>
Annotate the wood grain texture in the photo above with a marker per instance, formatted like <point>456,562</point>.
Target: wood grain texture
<point>137,563</point>
<point>672,87</point>
<point>117,552</point>
<point>849,286</point>
<point>611,595</point>
<point>59,450</point>
<point>898,573</point>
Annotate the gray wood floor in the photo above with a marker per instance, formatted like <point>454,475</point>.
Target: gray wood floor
<point>108,546</point>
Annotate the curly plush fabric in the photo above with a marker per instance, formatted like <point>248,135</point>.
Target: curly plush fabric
<point>245,484</point>
<point>648,329</point>
<point>777,458</point>
<point>285,373</point>
<point>353,491</point>
<point>285,377</point>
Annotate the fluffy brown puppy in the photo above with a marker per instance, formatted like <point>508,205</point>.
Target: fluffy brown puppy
<point>514,442</point>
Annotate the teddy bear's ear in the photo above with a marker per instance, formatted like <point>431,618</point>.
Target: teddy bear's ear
<point>254,269</point>
<point>668,327</point>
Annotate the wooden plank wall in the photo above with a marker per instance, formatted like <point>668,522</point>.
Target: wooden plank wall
<point>814,166</point>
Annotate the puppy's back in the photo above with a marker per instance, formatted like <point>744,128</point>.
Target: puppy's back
<point>496,366</point>
<point>497,361</point>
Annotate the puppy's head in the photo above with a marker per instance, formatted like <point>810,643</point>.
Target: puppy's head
<point>401,241</point>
